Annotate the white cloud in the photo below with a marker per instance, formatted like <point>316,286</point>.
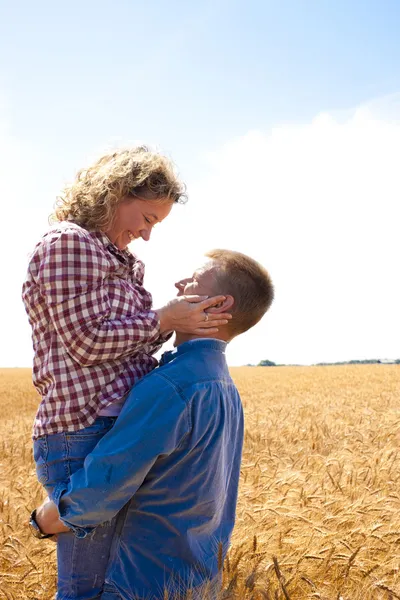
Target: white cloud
<point>317,204</point>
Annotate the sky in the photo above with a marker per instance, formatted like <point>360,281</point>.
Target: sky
<point>283,119</point>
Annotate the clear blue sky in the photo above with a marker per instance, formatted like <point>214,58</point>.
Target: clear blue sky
<point>187,76</point>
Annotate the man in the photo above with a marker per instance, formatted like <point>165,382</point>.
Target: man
<point>172,460</point>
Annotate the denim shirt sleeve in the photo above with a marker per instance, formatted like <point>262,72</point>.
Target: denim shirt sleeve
<point>153,422</point>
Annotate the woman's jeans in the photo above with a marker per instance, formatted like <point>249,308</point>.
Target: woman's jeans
<point>81,562</point>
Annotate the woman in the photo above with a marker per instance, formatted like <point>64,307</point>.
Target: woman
<point>94,329</point>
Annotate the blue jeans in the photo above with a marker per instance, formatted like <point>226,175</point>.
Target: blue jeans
<point>110,594</point>
<point>81,562</point>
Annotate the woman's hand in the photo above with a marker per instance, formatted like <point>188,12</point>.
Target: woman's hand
<point>188,314</point>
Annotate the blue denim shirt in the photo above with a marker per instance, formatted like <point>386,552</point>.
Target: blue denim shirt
<point>173,460</point>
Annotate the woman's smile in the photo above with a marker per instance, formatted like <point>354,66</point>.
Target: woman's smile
<point>135,218</point>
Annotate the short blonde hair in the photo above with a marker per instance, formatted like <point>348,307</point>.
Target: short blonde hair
<point>136,172</point>
<point>248,282</point>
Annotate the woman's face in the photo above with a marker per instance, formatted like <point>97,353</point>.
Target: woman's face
<point>136,219</point>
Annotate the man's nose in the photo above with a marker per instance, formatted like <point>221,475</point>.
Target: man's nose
<point>181,284</point>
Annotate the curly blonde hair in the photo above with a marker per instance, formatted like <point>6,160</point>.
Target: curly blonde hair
<point>90,201</point>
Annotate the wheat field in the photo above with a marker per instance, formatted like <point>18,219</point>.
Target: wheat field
<point>318,514</point>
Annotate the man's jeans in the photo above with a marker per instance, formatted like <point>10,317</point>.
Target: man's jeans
<point>81,562</point>
<point>110,594</point>
<point>209,593</point>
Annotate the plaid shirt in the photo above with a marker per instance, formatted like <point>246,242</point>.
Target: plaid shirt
<point>93,329</point>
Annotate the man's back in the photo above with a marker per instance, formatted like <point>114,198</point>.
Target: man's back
<point>184,510</point>
<point>185,507</point>
<point>176,448</point>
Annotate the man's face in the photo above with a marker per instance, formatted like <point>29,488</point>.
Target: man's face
<point>201,283</point>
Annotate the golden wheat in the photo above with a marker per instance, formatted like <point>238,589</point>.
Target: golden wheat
<point>318,514</point>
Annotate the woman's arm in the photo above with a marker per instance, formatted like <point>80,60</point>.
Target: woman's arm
<point>72,276</point>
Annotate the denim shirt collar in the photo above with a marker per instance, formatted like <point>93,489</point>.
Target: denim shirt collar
<point>197,344</point>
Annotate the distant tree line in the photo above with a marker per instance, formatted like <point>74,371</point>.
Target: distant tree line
<point>368,361</point>
<point>266,363</point>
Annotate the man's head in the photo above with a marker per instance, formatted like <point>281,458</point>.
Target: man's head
<point>245,284</point>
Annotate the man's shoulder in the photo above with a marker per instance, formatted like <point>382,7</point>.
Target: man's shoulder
<point>156,392</point>
<point>183,386</point>
<point>194,370</point>
<point>156,384</point>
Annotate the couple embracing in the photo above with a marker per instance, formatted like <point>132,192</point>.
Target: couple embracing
<point>140,460</point>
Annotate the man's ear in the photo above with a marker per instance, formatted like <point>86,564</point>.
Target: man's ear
<point>222,307</point>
